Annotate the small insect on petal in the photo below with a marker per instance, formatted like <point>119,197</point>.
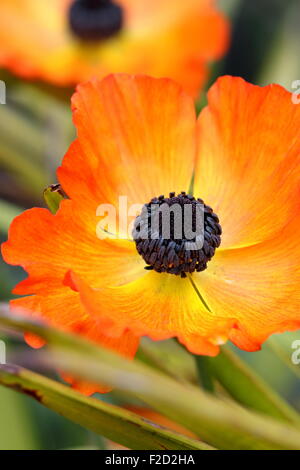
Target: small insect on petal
<point>53,195</point>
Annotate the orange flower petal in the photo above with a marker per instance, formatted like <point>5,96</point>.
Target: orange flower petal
<point>136,138</point>
<point>47,246</point>
<point>161,420</point>
<point>62,309</point>
<point>248,167</point>
<point>170,38</point>
<point>190,34</point>
<point>85,388</point>
<point>34,341</point>
<point>258,286</point>
<point>160,306</point>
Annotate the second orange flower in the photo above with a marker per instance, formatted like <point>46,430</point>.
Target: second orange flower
<point>65,42</point>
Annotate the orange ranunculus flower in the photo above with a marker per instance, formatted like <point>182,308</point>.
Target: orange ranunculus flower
<point>139,137</point>
<point>163,38</point>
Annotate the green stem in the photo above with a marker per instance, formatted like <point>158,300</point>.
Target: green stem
<point>221,424</point>
<point>105,419</point>
<point>249,389</point>
<point>205,373</point>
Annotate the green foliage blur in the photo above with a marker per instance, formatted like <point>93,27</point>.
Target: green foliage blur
<point>36,130</point>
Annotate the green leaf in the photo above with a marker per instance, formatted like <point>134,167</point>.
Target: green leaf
<point>245,386</point>
<point>170,357</point>
<point>220,423</point>
<point>204,372</point>
<point>17,429</point>
<point>113,422</point>
<point>53,196</point>
<point>285,357</point>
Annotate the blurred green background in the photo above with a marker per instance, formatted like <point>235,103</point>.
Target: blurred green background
<point>35,131</point>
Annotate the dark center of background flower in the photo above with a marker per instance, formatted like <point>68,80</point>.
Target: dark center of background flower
<point>176,253</point>
<point>93,20</point>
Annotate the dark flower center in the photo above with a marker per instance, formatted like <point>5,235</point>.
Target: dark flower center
<point>177,235</point>
<point>94,20</point>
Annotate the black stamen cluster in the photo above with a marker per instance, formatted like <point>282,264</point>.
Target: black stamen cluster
<point>94,20</point>
<point>171,255</point>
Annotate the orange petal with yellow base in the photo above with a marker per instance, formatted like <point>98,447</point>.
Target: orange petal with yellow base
<point>249,159</point>
<point>48,245</point>
<point>160,306</point>
<point>258,286</point>
<point>136,138</point>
